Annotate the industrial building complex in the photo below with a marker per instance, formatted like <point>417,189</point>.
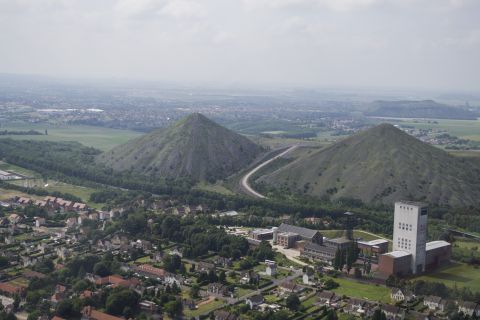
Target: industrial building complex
<point>411,253</point>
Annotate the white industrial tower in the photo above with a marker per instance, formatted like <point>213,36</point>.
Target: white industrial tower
<point>410,232</point>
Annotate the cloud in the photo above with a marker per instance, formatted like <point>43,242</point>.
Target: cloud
<point>337,5</point>
<point>183,9</point>
<point>315,42</point>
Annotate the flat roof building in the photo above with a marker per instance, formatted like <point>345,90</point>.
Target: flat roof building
<point>304,233</point>
<point>396,262</point>
<point>373,247</point>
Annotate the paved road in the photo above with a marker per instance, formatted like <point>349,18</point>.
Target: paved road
<point>244,181</point>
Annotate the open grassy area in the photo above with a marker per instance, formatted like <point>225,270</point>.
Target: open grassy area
<point>16,169</point>
<point>217,188</point>
<point>6,194</point>
<point>356,289</point>
<point>456,274</point>
<point>52,185</point>
<point>203,308</point>
<point>356,234</point>
<point>97,137</point>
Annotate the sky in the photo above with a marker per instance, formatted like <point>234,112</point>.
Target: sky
<point>425,44</point>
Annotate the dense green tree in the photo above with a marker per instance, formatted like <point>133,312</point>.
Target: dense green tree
<point>174,308</point>
<point>101,269</point>
<point>331,315</point>
<point>293,302</point>
<point>119,299</point>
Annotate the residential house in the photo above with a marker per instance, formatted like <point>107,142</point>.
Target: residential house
<point>254,301</point>
<point>325,297</point>
<point>356,306</point>
<point>89,313</point>
<point>434,303</point>
<point>468,308</point>
<point>224,315</point>
<point>393,312</point>
<point>171,278</point>
<point>270,268</point>
<point>290,287</point>
<point>189,304</point>
<point>224,262</point>
<point>250,277</point>
<point>11,289</point>
<point>308,277</point>
<point>205,266</point>
<point>399,295</point>
<point>218,289</point>
<point>151,271</point>
<point>78,206</point>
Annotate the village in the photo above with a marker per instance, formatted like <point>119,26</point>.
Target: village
<point>289,272</point>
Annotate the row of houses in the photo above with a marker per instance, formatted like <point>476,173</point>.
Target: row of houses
<point>52,203</point>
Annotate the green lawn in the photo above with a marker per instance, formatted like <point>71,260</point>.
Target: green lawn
<point>356,289</point>
<point>356,234</point>
<point>143,260</point>
<point>204,308</point>
<point>457,274</point>
<point>241,292</point>
<point>97,137</point>
<point>217,188</point>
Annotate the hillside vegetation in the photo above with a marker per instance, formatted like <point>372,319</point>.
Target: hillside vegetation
<point>381,165</point>
<point>195,147</point>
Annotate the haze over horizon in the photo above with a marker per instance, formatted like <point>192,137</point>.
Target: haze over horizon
<point>427,44</point>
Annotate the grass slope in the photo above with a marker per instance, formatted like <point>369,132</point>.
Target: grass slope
<point>382,165</point>
<point>194,147</point>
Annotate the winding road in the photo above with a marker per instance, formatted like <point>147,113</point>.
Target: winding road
<point>244,181</point>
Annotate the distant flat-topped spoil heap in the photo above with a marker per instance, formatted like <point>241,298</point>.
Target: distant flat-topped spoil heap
<point>380,165</point>
<point>194,147</point>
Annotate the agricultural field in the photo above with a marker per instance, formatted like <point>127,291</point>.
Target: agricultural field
<point>356,289</point>
<point>91,136</point>
<point>467,129</point>
<point>456,274</point>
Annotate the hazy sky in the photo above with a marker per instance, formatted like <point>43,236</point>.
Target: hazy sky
<point>432,44</point>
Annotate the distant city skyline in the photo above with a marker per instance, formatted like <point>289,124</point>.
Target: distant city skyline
<point>423,44</point>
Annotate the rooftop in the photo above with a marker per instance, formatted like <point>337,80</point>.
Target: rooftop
<point>398,254</point>
<point>375,242</point>
<point>339,240</point>
<point>303,232</point>
<point>436,244</point>
<point>412,203</point>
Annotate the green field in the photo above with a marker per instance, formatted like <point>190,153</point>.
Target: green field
<point>457,274</point>
<point>217,188</point>
<point>360,234</point>
<point>97,137</point>
<point>468,129</point>
<point>355,289</point>
<point>204,308</point>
